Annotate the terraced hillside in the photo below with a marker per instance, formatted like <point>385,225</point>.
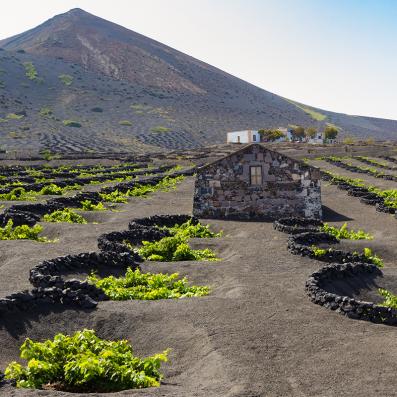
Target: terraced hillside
<point>78,82</point>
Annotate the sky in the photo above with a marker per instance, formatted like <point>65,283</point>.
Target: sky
<point>338,55</point>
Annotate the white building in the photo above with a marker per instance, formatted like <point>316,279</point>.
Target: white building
<point>247,136</point>
<point>317,139</point>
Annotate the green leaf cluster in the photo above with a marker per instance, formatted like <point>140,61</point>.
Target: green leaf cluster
<point>18,194</point>
<point>23,232</point>
<point>344,233</point>
<point>147,286</point>
<point>30,71</point>
<point>174,248</point>
<point>188,230</point>
<point>390,300</point>
<point>65,215</point>
<point>83,362</point>
<point>66,79</point>
<point>88,205</point>
<point>319,252</point>
<point>372,257</point>
<point>166,184</point>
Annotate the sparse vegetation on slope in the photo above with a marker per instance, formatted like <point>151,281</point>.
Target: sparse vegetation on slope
<point>312,113</point>
<point>66,79</point>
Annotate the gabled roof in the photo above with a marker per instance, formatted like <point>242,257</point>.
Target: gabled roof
<point>250,146</point>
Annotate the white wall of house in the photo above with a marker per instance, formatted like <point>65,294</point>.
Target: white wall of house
<point>246,136</point>
<point>318,139</point>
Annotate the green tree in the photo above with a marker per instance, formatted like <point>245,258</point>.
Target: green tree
<point>270,135</point>
<point>298,132</point>
<point>331,132</point>
<point>311,132</point>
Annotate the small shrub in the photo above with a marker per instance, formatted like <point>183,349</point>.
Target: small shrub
<point>45,112</point>
<point>18,194</point>
<point>84,363</point>
<point>47,155</point>
<point>66,215</point>
<point>88,205</point>
<point>160,128</point>
<point>173,248</point>
<point>51,189</point>
<point>147,286</point>
<point>71,123</point>
<point>188,230</point>
<point>66,79</point>
<point>23,232</point>
<point>319,252</point>
<point>344,233</point>
<point>125,122</point>
<point>30,71</point>
<point>373,258</point>
<point>390,300</point>
<point>13,116</point>
<point>114,197</point>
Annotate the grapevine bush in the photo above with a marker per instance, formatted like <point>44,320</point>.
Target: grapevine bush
<point>65,215</point>
<point>188,229</point>
<point>23,232</point>
<point>344,233</point>
<point>88,205</point>
<point>390,300</point>
<point>166,184</point>
<point>84,363</point>
<point>147,286</point>
<point>174,248</point>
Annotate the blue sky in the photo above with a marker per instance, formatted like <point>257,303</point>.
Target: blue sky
<point>339,55</point>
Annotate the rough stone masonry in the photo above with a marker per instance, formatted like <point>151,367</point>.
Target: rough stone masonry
<point>257,183</point>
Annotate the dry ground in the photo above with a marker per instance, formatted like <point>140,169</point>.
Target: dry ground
<point>256,334</point>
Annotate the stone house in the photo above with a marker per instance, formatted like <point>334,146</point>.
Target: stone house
<point>257,183</point>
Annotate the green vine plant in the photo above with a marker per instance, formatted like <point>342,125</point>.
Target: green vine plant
<point>372,161</point>
<point>367,252</point>
<point>344,233</point>
<point>65,215</point>
<point>174,248</point>
<point>390,300</point>
<point>147,286</point>
<point>188,230</point>
<point>166,184</point>
<point>84,363</point>
<point>88,205</point>
<point>389,195</point>
<point>319,252</point>
<point>20,194</point>
<point>23,232</point>
<point>372,257</point>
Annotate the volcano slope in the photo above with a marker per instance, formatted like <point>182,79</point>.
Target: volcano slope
<point>256,334</point>
<point>126,91</point>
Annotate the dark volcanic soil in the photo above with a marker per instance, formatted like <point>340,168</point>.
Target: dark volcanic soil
<point>256,334</point>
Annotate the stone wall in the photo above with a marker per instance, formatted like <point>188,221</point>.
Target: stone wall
<point>289,187</point>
